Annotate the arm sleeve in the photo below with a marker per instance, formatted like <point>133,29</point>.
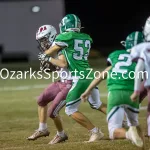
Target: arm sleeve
<point>138,75</point>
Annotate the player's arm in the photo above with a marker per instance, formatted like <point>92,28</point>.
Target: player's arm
<point>94,83</point>
<point>97,80</point>
<point>138,79</point>
<point>56,48</point>
<point>59,44</point>
<point>60,62</point>
<point>53,50</point>
<point>134,54</point>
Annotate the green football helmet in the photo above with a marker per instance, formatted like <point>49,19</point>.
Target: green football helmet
<point>133,39</point>
<point>70,22</point>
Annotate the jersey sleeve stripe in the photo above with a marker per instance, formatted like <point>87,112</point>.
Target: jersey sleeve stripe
<point>75,20</point>
<point>67,57</point>
<point>63,44</point>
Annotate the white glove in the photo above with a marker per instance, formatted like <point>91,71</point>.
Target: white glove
<point>44,57</point>
<point>43,65</point>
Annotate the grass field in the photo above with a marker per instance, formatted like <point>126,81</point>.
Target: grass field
<point>18,120</point>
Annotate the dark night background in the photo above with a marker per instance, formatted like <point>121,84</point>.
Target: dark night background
<point>109,22</point>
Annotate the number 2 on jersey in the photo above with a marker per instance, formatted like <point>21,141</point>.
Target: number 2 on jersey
<point>79,49</point>
<point>124,61</point>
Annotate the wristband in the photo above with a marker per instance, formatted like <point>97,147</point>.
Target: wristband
<point>47,58</point>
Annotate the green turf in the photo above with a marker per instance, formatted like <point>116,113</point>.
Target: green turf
<point>18,120</point>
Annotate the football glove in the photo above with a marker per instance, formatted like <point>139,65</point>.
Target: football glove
<point>44,57</point>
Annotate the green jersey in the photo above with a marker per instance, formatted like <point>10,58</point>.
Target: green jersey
<point>121,75</point>
<point>76,52</point>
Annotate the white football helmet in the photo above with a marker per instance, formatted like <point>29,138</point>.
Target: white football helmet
<point>146,30</point>
<point>45,36</point>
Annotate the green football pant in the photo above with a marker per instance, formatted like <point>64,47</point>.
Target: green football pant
<point>73,98</point>
<point>119,106</point>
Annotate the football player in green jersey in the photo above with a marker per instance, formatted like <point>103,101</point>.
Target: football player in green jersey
<point>76,47</point>
<point>120,84</point>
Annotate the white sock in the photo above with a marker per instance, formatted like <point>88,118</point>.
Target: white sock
<point>42,126</point>
<point>61,133</point>
<point>94,130</point>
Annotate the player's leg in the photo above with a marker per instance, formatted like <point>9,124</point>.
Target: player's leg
<point>134,132</point>
<point>115,115</point>
<point>42,113</point>
<point>147,86</point>
<point>53,112</point>
<point>95,102</point>
<point>48,94</point>
<point>118,101</point>
<point>72,103</point>
<point>143,92</point>
<point>115,118</point>
<point>148,111</point>
<point>132,110</point>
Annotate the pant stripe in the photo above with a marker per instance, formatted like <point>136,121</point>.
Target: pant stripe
<point>113,113</point>
<point>57,109</point>
<point>73,102</point>
<point>133,110</point>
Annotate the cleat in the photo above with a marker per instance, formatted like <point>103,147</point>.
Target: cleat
<point>37,134</point>
<point>134,137</point>
<point>58,139</point>
<point>95,136</point>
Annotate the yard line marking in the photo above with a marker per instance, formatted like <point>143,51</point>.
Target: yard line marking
<point>36,86</point>
<point>23,88</point>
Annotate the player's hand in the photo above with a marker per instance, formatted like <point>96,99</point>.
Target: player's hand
<point>84,96</point>
<point>43,65</point>
<point>134,96</point>
<point>41,56</point>
<point>44,57</point>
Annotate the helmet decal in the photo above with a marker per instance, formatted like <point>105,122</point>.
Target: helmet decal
<point>133,39</point>
<point>70,22</point>
<point>43,28</point>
